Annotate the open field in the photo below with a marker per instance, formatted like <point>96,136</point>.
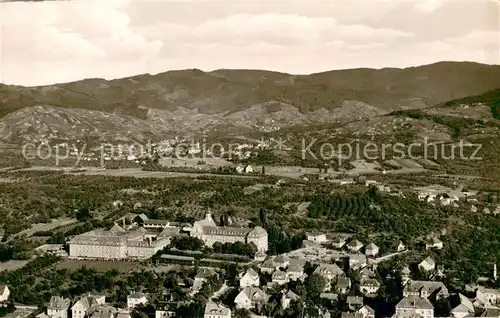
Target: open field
<point>45,226</point>
<point>12,265</point>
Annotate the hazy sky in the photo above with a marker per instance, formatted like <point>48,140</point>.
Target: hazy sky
<point>61,41</point>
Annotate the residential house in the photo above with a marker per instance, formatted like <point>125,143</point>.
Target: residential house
<point>4,293</point>
<point>250,297</point>
<point>268,266</point>
<point>354,246</point>
<point>489,296</point>
<point>461,306</point>
<point>338,242</point>
<point>434,243</point>
<point>136,299</point>
<point>357,261</point>
<point>400,246</point>
<point>213,310</point>
<point>367,311</point>
<point>366,273</point>
<point>351,315</point>
<point>58,307</point>
<point>371,250</point>
<point>260,256</point>
<point>425,289</point>
<point>282,261</point>
<point>166,310</point>
<point>343,285</point>
<point>354,302</point>
<point>201,277</point>
<point>427,265</point>
<point>316,237</point>
<point>405,274</point>
<point>491,312</point>
<point>287,298</point>
<point>279,277</point>
<point>414,306</point>
<point>329,296</point>
<point>123,314</point>
<point>369,286</point>
<point>245,169</point>
<point>329,271</point>
<point>251,278</point>
<point>86,305</point>
<point>295,271</point>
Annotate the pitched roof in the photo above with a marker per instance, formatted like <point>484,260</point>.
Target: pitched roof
<point>428,261</point>
<point>328,269</point>
<point>343,282</point>
<point>355,243</point>
<point>269,263</point>
<point>429,286</point>
<point>253,274</point>
<point>281,259</point>
<point>415,302</point>
<point>371,246</point>
<point>354,300</point>
<point>2,289</point>
<point>290,294</point>
<point>58,303</point>
<point>136,295</point>
<point>279,275</point>
<point>212,308</point>
<point>205,273</point>
<point>255,294</point>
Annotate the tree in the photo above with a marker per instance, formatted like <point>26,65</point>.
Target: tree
<point>262,217</point>
<point>315,284</point>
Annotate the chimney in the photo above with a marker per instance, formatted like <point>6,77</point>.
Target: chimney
<point>495,277</point>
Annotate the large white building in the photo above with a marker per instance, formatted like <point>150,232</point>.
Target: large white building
<point>117,243</point>
<point>208,231</point>
<point>58,307</point>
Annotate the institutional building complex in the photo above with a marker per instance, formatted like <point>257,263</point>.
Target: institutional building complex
<point>117,243</point>
<point>141,243</point>
<point>209,232</point>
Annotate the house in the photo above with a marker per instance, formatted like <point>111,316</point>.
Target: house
<point>295,271</point>
<point>414,306</point>
<point>251,278</point>
<point>405,274</point>
<point>260,256</point>
<point>269,266</point>
<point>343,285</point>
<point>354,246</point>
<point>201,277</point>
<point>400,246</point>
<point>282,261</point>
<point>369,286</point>
<point>135,299</point>
<point>434,243</point>
<point>86,305</point>
<point>488,296</point>
<point>329,271</point>
<point>246,169</point>
<point>357,261</point>
<point>287,298</point>
<point>316,237</point>
<point>367,311</point>
<point>371,250</point>
<point>329,296</point>
<point>58,307</point>
<point>166,310</point>
<point>4,293</point>
<point>366,273</point>
<point>123,314</point>
<point>279,277</point>
<point>250,297</point>
<point>461,306</point>
<point>213,310</point>
<point>338,242</point>
<point>427,265</point>
<point>351,315</point>
<point>354,303</point>
<point>425,289</point>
